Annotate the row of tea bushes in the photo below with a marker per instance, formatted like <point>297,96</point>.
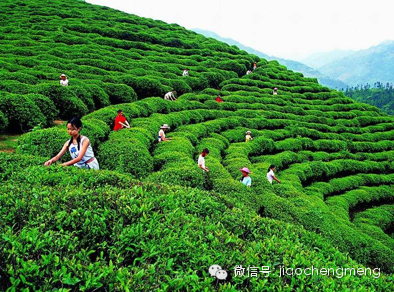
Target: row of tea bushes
<point>70,245</point>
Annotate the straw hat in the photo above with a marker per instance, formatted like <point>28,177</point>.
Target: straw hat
<point>245,169</point>
<point>165,126</point>
<point>63,75</point>
<point>248,132</point>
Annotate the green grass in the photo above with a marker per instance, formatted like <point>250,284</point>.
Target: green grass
<point>8,143</point>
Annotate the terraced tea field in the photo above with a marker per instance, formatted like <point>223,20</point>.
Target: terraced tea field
<point>150,219</point>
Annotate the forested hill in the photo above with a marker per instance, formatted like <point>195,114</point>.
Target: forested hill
<point>150,219</point>
<point>381,96</point>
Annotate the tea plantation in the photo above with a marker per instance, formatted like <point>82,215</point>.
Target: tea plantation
<point>149,219</point>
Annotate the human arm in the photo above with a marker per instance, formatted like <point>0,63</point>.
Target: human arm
<point>274,177</point>
<point>121,120</point>
<point>205,169</point>
<point>201,164</point>
<point>85,144</point>
<point>125,124</point>
<point>58,156</point>
<point>163,136</point>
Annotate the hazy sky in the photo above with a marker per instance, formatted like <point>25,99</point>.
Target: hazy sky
<point>289,29</point>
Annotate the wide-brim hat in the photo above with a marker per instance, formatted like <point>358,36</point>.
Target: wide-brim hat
<point>63,75</point>
<point>245,169</point>
<point>248,132</point>
<point>165,126</point>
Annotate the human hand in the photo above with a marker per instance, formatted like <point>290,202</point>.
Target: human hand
<point>49,162</point>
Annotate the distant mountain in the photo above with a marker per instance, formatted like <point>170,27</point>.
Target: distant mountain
<point>365,66</point>
<point>318,60</point>
<point>290,64</point>
<point>231,42</point>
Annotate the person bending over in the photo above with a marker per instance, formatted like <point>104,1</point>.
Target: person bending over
<point>121,122</point>
<point>270,174</point>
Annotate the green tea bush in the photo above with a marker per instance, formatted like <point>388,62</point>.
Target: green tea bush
<point>187,175</point>
<point>3,122</point>
<point>8,167</point>
<point>380,216</point>
<point>232,66</point>
<point>43,143</point>
<point>68,104</point>
<point>119,93</point>
<point>329,145</point>
<point>213,79</point>
<point>84,94</point>
<point>100,97</point>
<point>180,87</point>
<point>21,112</point>
<point>169,157</point>
<point>197,83</point>
<point>46,106</point>
<point>125,155</point>
<point>97,131</point>
<point>179,144</point>
<point>145,86</point>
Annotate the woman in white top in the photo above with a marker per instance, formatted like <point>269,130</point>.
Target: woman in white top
<point>271,175</point>
<point>170,95</point>
<point>79,147</point>
<point>248,136</point>
<point>201,160</point>
<point>162,136</point>
<point>63,80</point>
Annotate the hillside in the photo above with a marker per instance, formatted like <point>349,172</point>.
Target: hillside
<point>365,66</point>
<point>290,64</point>
<point>150,219</point>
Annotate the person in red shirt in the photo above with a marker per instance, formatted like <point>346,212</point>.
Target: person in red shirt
<point>120,121</point>
<point>219,99</point>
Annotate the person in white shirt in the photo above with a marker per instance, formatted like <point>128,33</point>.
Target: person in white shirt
<point>270,174</point>
<point>170,95</point>
<point>275,92</point>
<point>63,80</point>
<point>246,179</point>
<point>201,160</point>
<point>248,72</point>
<point>162,135</point>
<point>248,136</point>
<point>185,72</point>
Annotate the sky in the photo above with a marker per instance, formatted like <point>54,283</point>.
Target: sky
<point>290,29</point>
